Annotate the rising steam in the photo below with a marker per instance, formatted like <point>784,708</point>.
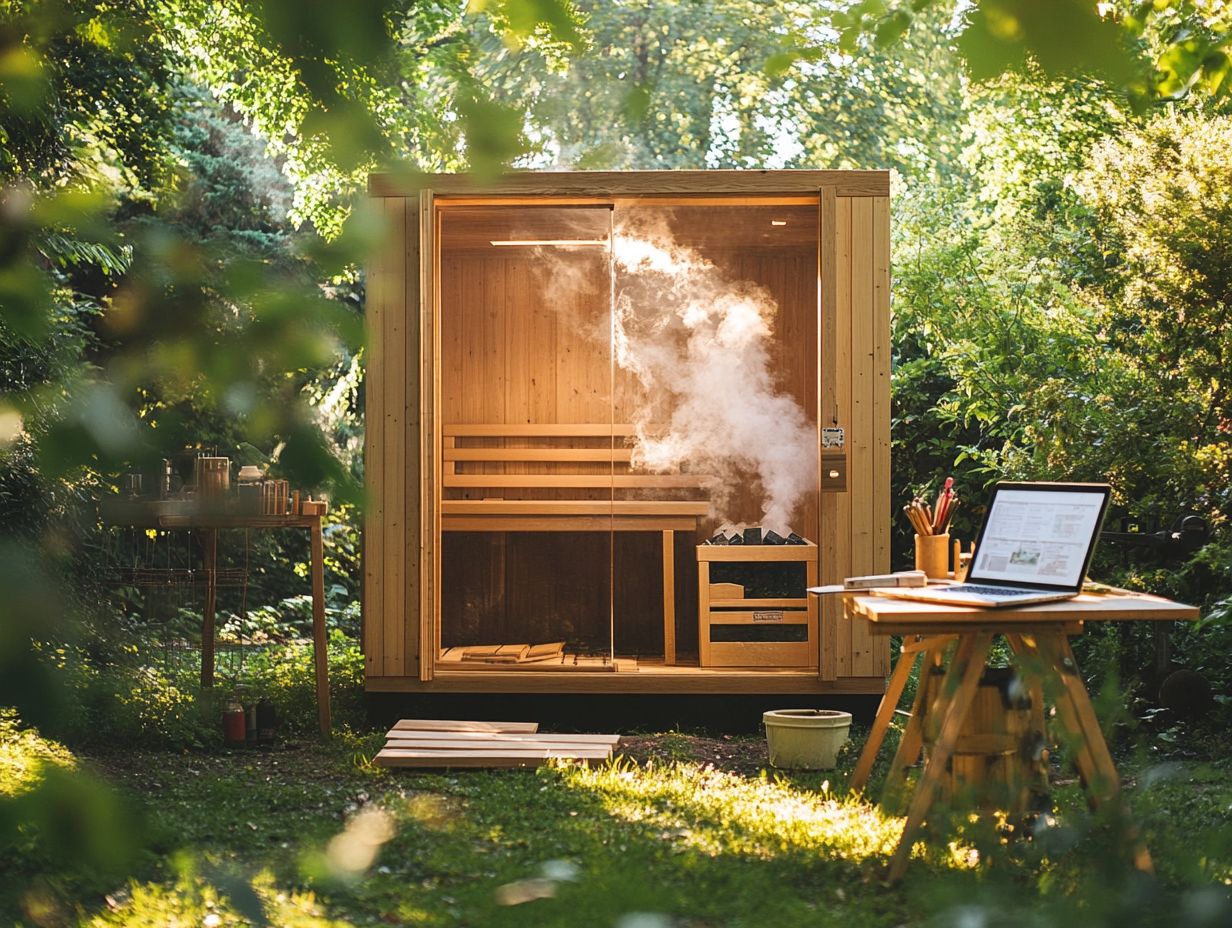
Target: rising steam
<point>697,342</point>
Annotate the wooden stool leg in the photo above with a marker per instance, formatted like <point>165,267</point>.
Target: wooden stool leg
<point>319,654</point>
<point>953,704</point>
<point>885,712</point>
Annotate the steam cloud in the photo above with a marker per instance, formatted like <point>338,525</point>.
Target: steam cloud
<point>698,344</point>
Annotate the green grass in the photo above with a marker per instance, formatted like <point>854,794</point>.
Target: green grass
<point>306,835</point>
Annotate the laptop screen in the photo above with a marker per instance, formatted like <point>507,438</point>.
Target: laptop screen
<point>1041,535</point>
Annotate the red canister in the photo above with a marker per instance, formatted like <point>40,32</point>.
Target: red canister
<point>234,723</point>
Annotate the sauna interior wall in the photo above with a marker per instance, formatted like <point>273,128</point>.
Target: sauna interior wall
<point>525,338</point>
<point>854,526</point>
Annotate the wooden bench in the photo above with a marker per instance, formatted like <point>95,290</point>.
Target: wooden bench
<point>548,458</point>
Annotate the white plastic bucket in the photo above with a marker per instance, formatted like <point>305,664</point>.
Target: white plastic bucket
<point>806,739</point>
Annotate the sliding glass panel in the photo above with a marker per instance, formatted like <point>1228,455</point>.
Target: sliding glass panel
<point>715,347</point>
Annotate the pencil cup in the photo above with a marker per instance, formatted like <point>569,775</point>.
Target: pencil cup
<point>932,555</point>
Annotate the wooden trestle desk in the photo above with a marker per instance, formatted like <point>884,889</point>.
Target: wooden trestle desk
<point>147,515</point>
<point>1039,637</point>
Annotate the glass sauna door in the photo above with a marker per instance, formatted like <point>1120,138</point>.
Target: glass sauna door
<point>527,438</point>
<point>622,388</point>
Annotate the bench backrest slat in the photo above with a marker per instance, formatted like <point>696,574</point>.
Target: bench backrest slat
<point>578,481</point>
<point>541,430</point>
<point>547,454</point>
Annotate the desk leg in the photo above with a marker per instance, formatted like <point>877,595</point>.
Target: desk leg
<point>669,597</point>
<point>209,557</point>
<point>1074,707</point>
<point>319,654</point>
<point>912,740</point>
<point>885,713</point>
<point>957,693</point>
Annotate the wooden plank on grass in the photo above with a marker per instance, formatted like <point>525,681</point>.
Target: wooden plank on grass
<point>463,738</point>
<point>495,743</point>
<point>456,725</point>
<point>504,757</point>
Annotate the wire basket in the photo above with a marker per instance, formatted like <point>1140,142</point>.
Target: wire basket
<point>178,577</point>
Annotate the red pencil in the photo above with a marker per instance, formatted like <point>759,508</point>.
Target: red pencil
<point>943,504</point>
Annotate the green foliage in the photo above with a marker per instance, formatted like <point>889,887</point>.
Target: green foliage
<point>285,674</point>
<point>696,85</point>
<point>129,689</point>
<point>62,832</point>
<point>1149,52</point>
<point>1160,202</point>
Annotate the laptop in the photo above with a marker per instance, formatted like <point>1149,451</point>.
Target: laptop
<point>1034,546</point>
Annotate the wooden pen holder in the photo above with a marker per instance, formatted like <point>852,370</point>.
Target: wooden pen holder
<point>932,555</point>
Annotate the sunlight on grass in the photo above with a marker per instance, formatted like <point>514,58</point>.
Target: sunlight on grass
<point>193,902</point>
<point>24,755</point>
<point>714,812</point>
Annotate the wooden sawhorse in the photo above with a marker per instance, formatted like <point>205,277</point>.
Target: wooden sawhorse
<point>1039,636</point>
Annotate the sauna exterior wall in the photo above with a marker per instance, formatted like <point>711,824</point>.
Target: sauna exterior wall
<point>403,358</point>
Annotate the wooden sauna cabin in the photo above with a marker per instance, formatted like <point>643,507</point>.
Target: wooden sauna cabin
<point>617,423</point>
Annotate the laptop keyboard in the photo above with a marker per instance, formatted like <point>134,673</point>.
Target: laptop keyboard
<point>990,590</point>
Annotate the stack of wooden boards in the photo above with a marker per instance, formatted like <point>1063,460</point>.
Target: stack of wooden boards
<point>446,743</point>
<point>506,653</point>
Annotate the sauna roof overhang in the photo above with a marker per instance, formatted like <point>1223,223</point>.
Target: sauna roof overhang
<point>599,184</point>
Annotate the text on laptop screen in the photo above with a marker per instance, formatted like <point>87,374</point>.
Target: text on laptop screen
<point>1037,537</point>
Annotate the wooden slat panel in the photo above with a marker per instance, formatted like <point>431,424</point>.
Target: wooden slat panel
<point>703,609</point>
<point>549,455</point>
<point>538,429</point>
<point>586,665</point>
<point>581,481</point>
<point>756,552</point>
<point>669,597</point>
<point>649,678</point>
<point>456,201</point>
<point>828,531</point>
<point>843,501</point>
<point>718,602</point>
<point>615,183</point>
<point>426,742</point>
<point>759,654</point>
<point>504,757</point>
<point>456,725</point>
<point>393,463</point>
<point>811,571</point>
<point>566,507</point>
<point>468,739</point>
<point>423,303</point>
<point>861,440</point>
<point>881,503</point>
<point>799,616</point>
<point>531,523</point>
<point>381,278</point>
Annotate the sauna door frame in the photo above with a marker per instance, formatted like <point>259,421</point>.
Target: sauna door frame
<point>422,221</point>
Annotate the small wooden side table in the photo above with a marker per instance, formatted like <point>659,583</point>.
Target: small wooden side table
<point>149,515</point>
<point>1039,636</point>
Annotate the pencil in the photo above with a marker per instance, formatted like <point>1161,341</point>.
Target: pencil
<point>910,513</point>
